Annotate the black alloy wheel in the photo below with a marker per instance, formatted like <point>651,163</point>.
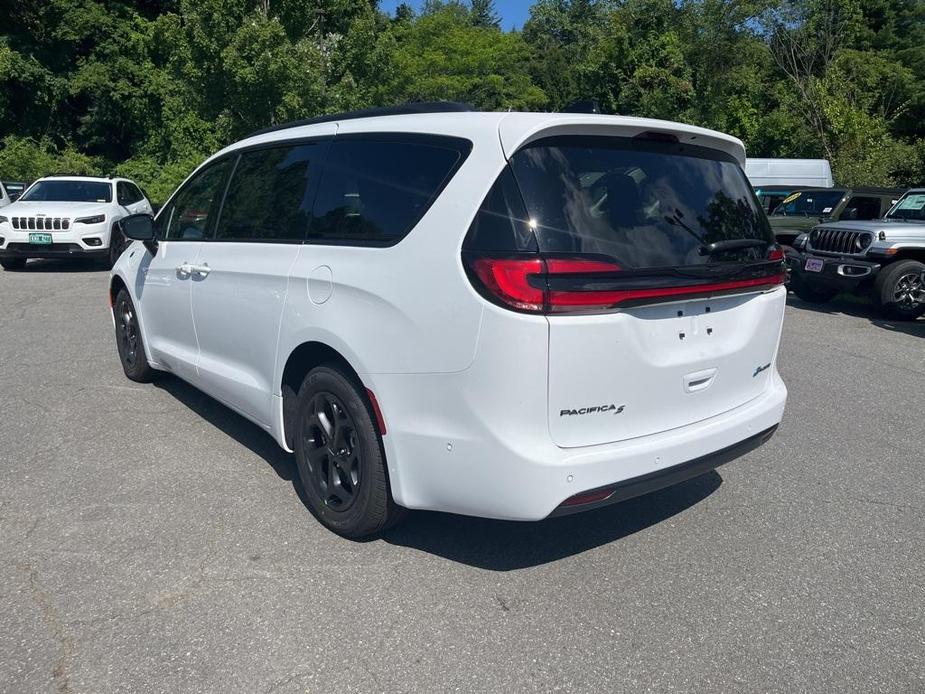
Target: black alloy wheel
<point>340,456</point>
<point>128,340</point>
<point>333,451</point>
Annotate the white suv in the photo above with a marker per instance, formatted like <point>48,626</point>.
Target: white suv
<point>511,315</point>
<point>68,217</point>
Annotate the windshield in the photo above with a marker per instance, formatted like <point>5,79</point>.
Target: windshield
<point>910,206</point>
<point>645,204</point>
<point>69,191</point>
<point>810,203</point>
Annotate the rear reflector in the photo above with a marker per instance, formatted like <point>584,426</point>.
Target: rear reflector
<point>380,421</point>
<point>588,497</point>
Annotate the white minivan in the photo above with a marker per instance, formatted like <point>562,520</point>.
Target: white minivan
<point>510,315</point>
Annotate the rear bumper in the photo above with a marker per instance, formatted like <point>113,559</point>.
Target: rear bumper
<point>644,484</point>
<point>843,272</point>
<point>448,453</point>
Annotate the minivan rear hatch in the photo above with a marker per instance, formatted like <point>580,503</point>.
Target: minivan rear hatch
<point>659,275</point>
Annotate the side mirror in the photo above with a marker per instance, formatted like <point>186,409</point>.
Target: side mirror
<point>138,227</point>
<point>14,196</point>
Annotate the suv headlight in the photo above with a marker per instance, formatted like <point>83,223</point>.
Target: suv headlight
<point>864,240</point>
<point>3,220</point>
<point>95,219</point>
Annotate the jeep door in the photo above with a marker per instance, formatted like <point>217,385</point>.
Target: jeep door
<point>241,280</point>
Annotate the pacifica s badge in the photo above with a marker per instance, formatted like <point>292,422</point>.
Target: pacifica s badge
<point>759,369</point>
<point>594,409</point>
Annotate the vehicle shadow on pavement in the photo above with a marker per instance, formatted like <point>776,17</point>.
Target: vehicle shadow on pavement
<point>509,545</point>
<point>65,265</point>
<point>858,308</point>
<point>234,425</point>
<point>479,542</point>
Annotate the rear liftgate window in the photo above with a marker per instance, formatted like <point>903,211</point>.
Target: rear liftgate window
<point>595,223</point>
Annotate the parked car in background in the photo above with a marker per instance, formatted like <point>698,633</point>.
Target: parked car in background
<point>884,259</point>
<point>512,315</point>
<point>795,173</point>
<point>805,208</point>
<point>772,196</point>
<point>14,189</point>
<point>68,217</point>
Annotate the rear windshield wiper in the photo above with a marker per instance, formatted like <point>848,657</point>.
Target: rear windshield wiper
<point>731,245</point>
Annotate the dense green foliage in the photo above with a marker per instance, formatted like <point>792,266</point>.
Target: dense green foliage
<point>147,88</point>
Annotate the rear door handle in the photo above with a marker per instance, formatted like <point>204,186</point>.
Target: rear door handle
<point>202,270</point>
<point>185,270</point>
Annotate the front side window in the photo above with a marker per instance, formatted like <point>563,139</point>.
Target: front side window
<point>127,193</point>
<point>193,206</point>
<point>644,204</point>
<point>860,207</point>
<point>69,191</point>
<point>374,192</point>
<point>269,196</point>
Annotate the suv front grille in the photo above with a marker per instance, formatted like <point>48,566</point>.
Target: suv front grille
<point>40,223</point>
<point>839,240</point>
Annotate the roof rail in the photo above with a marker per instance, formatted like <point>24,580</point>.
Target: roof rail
<point>401,110</point>
<point>70,174</point>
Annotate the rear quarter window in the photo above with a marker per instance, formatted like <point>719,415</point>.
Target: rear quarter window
<point>374,191</point>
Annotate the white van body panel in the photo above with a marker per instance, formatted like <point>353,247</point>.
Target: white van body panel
<point>789,172</point>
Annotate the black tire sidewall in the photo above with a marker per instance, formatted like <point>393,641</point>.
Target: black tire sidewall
<point>885,286</point>
<point>809,293</point>
<point>140,371</point>
<point>116,246</point>
<point>13,263</point>
<point>370,510</point>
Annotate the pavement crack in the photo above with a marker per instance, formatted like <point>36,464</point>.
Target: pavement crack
<point>60,673</point>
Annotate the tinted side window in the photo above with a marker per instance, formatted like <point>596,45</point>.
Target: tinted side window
<point>374,192</point>
<point>859,207</point>
<point>135,192</point>
<point>193,206</point>
<point>502,223</point>
<point>123,195</point>
<point>270,194</point>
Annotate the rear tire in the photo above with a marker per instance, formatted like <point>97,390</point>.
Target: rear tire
<point>129,341</point>
<point>809,293</point>
<point>13,263</point>
<point>900,291</point>
<point>340,457</point>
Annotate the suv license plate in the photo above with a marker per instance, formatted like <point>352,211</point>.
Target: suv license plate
<point>813,265</point>
<point>42,239</point>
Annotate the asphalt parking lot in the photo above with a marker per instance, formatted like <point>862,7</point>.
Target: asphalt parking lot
<point>152,540</point>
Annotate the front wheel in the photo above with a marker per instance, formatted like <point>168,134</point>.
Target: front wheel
<point>339,456</point>
<point>129,341</point>
<point>13,263</point>
<point>900,291</point>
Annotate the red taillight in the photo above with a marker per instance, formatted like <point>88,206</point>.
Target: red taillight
<point>564,301</point>
<point>525,284</point>
<point>508,279</point>
<point>776,253</point>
